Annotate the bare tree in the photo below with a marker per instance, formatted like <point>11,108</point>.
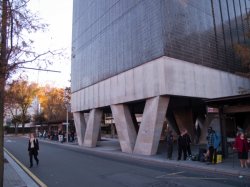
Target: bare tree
<point>17,22</point>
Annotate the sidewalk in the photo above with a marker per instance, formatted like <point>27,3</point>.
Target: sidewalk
<point>110,148</point>
<point>14,175</point>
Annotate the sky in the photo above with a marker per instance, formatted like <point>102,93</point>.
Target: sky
<point>58,14</point>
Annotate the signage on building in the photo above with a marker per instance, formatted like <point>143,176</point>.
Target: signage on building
<point>212,110</point>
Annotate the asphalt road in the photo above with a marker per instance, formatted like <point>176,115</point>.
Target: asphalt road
<point>63,166</point>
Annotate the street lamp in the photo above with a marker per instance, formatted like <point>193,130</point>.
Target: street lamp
<point>67,104</point>
<point>67,122</point>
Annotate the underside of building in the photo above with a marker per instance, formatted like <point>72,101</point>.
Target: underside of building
<point>158,58</point>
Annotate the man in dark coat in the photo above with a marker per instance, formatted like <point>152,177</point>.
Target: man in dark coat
<point>183,145</point>
<point>170,142</point>
<point>187,142</point>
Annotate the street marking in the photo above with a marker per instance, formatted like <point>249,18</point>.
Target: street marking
<point>170,174</point>
<point>35,178</point>
<point>200,178</point>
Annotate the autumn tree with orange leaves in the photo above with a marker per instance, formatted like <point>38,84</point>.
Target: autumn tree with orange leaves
<point>19,96</point>
<point>52,104</point>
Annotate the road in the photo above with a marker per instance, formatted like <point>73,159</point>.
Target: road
<point>64,166</point>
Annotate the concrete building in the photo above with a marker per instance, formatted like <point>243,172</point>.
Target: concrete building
<point>159,58</point>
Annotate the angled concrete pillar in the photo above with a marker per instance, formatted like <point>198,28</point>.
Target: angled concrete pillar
<point>135,122</point>
<point>172,122</point>
<point>124,126</point>
<point>184,119</point>
<point>93,128</point>
<point>207,122</point>
<point>151,126</point>
<point>80,125</point>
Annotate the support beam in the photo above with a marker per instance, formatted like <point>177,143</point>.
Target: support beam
<point>172,122</point>
<point>184,119</point>
<point>236,109</point>
<point>135,122</point>
<point>125,127</point>
<point>80,125</point>
<point>151,126</point>
<point>93,128</point>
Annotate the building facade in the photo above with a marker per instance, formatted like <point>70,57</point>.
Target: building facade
<point>156,57</point>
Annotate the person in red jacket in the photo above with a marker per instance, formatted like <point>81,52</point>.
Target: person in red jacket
<point>242,147</point>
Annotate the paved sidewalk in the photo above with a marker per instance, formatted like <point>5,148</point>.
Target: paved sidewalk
<point>14,175</point>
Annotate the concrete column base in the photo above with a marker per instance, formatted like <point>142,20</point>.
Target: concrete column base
<point>151,126</point>
<point>80,125</point>
<point>93,128</point>
<point>124,126</point>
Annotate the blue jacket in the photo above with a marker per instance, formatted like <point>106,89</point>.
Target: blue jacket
<point>217,140</point>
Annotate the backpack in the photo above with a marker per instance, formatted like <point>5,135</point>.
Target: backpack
<point>201,155</point>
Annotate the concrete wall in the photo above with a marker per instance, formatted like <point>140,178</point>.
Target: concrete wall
<point>163,76</point>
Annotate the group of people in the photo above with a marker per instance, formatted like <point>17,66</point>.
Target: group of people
<point>184,148</point>
<point>241,145</point>
<point>184,142</point>
<point>57,135</point>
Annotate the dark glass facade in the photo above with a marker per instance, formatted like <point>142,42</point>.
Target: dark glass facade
<point>112,36</point>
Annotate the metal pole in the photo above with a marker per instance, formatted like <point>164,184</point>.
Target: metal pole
<point>223,134</point>
<point>67,127</point>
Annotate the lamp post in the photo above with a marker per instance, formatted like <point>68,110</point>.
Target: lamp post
<point>67,122</point>
<point>67,104</point>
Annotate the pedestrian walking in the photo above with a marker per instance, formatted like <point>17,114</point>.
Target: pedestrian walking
<point>242,147</point>
<point>170,144</point>
<point>33,147</point>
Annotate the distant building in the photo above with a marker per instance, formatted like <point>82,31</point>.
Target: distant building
<point>156,57</point>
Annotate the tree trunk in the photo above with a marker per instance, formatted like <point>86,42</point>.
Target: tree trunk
<point>3,69</point>
<point>23,129</point>
<point>16,129</point>
<point>2,81</point>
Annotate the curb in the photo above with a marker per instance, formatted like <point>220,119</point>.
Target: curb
<point>26,170</point>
